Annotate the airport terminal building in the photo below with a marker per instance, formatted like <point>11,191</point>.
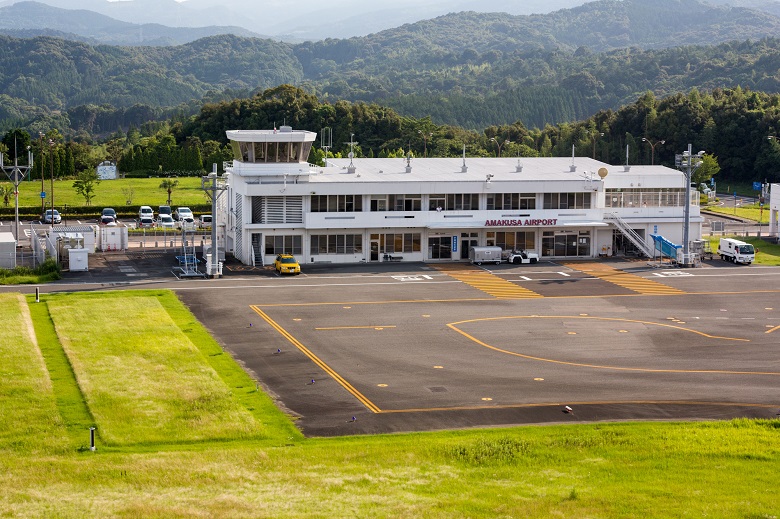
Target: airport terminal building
<point>434,209</point>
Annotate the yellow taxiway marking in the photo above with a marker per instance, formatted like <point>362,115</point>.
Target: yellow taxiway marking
<point>454,326</point>
<point>624,279</point>
<point>488,282</point>
<point>375,327</point>
<point>773,329</point>
<point>338,378</point>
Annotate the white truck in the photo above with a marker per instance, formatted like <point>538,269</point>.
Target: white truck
<point>736,251</point>
<point>518,257</point>
<point>480,255</point>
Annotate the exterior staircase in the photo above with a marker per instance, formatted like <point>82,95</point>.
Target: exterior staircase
<point>629,233</point>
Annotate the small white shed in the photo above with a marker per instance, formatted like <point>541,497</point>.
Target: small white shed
<point>7,250</point>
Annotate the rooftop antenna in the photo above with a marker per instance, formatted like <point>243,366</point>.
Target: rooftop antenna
<point>352,144</point>
<point>409,162</point>
<point>572,167</point>
<point>626,167</point>
<point>326,141</point>
<point>464,168</point>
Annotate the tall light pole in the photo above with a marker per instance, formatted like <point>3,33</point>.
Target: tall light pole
<point>499,144</point>
<point>594,137</point>
<point>652,149</point>
<point>425,137</point>
<point>689,163</point>
<point>51,162</point>
<point>43,189</point>
<point>16,174</point>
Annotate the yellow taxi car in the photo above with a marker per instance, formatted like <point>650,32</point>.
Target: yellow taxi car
<point>287,264</point>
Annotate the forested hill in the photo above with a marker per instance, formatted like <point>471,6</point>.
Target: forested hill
<point>467,69</point>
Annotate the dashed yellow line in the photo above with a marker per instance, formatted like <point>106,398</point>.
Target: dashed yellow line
<point>338,378</point>
<point>624,279</point>
<point>487,282</point>
<point>375,327</point>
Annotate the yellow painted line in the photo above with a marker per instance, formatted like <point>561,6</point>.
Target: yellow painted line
<point>574,404</point>
<point>376,327</point>
<point>489,283</point>
<point>624,279</point>
<point>454,326</point>
<point>338,378</point>
<point>773,329</point>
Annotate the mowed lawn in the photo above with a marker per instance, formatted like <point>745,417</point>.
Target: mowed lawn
<point>183,432</point>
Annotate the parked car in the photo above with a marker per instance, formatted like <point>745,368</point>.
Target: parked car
<point>146,212</point>
<point>145,222</point>
<point>51,216</point>
<point>183,214</point>
<point>164,209</point>
<point>287,264</point>
<point>166,221</point>
<point>206,221</point>
<point>108,220</point>
<point>108,211</point>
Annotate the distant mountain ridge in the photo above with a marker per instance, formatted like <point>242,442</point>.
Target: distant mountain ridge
<point>462,68</point>
<point>29,19</point>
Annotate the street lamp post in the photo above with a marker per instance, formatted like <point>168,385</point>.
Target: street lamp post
<point>652,149</point>
<point>593,138</point>
<point>689,163</point>
<point>499,144</point>
<point>425,137</point>
<point>51,162</point>
<point>43,189</point>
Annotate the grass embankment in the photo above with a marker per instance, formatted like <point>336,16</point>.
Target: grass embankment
<point>748,212</point>
<point>114,193</point>
<point>157,388</point>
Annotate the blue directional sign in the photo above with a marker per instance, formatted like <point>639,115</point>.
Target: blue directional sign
<point>454,244</point>
<point>43,194</point>
<point>756,186</point>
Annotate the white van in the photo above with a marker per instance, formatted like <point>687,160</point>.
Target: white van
<point>145,212</point>
<point>736,251</point>
<point>205,221</point>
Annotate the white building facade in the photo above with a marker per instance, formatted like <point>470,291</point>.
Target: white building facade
<point>435,209</point>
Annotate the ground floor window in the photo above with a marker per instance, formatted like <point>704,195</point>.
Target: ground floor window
<point>566,243</point>
<point>398,242</point>
<point>520,240</point>
<point>336,243</point>
<point>284,245</point>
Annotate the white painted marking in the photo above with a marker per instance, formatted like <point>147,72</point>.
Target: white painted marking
<point>564,274</point>
<point>410,278</point>
<point>525,278</point>
<point>672,274</point>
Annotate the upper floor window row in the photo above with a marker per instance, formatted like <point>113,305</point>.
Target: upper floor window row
<point>567,200</point>
<point>336,203</point>
<point>507,201</point>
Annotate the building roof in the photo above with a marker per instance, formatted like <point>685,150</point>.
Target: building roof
<point>534,169</point>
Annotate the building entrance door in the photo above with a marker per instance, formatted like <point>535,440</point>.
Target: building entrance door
<point>440,247</point>
<point>467,241</point>
<point>374,249</point>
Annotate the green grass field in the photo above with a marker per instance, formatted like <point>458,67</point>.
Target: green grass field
<point>183,432</point>
<point>114,193</point>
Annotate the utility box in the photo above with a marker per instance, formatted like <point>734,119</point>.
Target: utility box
<point>7,250</point>
<point>480,255</point>
<point>78,260</point>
